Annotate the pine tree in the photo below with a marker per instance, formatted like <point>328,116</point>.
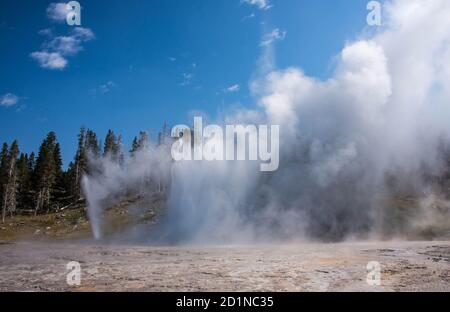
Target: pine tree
<point>31,161</point>
<point>3,170</point>
<point>78,167</point>
<point>88,148</point>
<point>113,147</point>
<point>140,143</point>
<point>164,135</point>
<point>24,171</point>
<point>73,181</point>
<point>47,170</point>
<point>59,193</point>
<point>10,188</point>
<point>92,145</point>
<point>118,154</point>
<point>110,141</point>
<point>134,146</point>
<point>144,139</point>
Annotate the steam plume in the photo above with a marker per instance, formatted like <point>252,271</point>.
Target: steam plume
<point>348,143</point>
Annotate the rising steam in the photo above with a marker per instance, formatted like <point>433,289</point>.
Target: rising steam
<point>348,144</point>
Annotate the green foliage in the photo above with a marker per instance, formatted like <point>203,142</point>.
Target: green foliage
<point>9,176</point>
<point>140,143</point>
<point>41,185</point>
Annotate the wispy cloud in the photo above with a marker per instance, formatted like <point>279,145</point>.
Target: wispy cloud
<point>9,100</point>
<point>187,79</point>
<point>274,35</point>
<point>260,4</point>
<point>57,11</point>
<point>186,68</point>
<point>107,87</point>
<point>252,15</point>
<point>71,44</point>
<point>65,45</point>
<point>84,34</point>
<point>49,60</point>
<point>46,32</point>
<point>232,89</point>
<point>56,49</point>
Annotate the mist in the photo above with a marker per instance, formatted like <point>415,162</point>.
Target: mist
<point>377,127</point>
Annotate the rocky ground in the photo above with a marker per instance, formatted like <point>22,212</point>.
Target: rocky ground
<point>405,266</point>
<point>34,252</point>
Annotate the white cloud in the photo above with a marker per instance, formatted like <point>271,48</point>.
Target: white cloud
<point>252,15</point>
<point>261,4</point>
<point>49,60</point>
<point>83,34</point>
<point>71,44</point>
<point>56,49</point>
<point>105,88</point>
<point>57,11</point>
<point>233,88</point>
<point>274,35</point>
<point>46,32</point>
<point>8,100</point>
<point>187,79</point>
<point>65,45</point>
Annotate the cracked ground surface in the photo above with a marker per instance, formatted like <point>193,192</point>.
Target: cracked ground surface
<point>405,266</point>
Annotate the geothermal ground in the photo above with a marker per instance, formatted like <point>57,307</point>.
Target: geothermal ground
<point>405,266</point>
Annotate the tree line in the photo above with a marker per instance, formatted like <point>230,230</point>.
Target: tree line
<point>36,184</point>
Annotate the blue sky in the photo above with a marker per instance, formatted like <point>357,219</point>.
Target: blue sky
<point>137,64</point>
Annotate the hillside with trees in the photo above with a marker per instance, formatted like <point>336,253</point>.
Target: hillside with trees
<point>38,188</point>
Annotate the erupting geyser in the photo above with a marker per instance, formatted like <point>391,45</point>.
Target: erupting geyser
<point>376,125</point>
